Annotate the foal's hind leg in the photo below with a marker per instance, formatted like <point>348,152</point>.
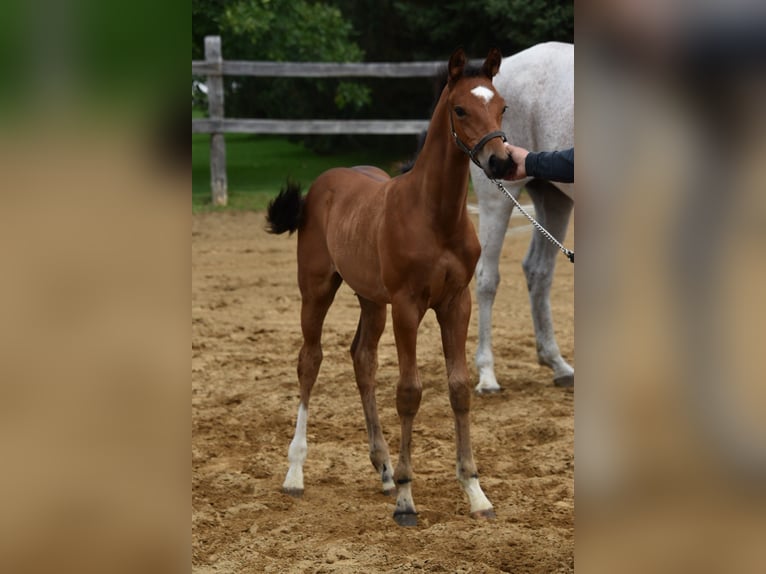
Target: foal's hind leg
<point>453,319</point>
<point>553,210</point>
<point>364,351</point>
<point>317,296</point>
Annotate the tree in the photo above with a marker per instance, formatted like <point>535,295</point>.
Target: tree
<point>435,29</point>
<point>414,30</point>
<point>281,30</point>
<point>205,22</point>
<point>370,30</point>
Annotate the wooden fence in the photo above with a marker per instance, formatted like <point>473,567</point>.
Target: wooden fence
<point>215,67</point>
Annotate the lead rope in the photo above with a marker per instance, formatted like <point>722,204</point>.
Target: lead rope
<point>540,228</point>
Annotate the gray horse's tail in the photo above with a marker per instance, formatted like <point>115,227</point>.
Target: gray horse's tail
<point>286,209</point>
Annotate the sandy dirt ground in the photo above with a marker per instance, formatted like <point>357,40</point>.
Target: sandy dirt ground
<point>245,342</point>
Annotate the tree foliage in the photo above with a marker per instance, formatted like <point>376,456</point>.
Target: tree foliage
<point>284,30</point>
<point>356,30</point>
<point>294,30</point>
<point>425,30</point>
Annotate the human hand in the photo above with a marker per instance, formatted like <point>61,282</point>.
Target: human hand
<point>519,157</point>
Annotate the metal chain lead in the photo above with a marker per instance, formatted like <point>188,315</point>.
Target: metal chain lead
<point>540,228</point>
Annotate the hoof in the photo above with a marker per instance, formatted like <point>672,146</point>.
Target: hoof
<point>390,491</point>
<point>487,514</point>
<point>565,382</point>
<point>487,382</point>
<point>487,390</point>
<point>294,492</point>
<point>406,518</point>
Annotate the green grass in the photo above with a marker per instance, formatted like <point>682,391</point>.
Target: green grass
<point>258,166</point>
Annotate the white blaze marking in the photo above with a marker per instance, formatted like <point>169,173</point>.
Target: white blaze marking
<point>484,93</point>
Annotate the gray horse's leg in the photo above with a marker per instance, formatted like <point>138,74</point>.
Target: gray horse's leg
<point>553,210</point>
<point>494,212</point>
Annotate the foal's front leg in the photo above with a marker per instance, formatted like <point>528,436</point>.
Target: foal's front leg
<point>364,351</point>
<point>406,317</point>
<point>453,319</point>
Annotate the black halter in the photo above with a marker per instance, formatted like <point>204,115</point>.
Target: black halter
<point>477,148</point>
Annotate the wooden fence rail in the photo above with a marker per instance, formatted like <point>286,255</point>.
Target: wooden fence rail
<point>215,67</point>
<point>316,69</point>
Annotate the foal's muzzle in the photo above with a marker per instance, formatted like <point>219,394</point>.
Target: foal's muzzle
<point>500,168</point>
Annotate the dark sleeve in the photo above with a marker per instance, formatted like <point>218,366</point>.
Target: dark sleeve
<point>552,165</point>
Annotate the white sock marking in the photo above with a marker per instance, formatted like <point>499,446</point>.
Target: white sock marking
<point>476,496</point>
<point>296,454</point>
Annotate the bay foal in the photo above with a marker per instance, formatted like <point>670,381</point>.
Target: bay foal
<point>407,242</point>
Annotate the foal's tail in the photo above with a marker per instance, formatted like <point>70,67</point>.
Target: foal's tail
<point>286,210</point>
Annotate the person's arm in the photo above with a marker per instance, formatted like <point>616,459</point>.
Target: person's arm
<point>552,165</point>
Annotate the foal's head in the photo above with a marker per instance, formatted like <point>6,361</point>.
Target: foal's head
<point>476,112</point>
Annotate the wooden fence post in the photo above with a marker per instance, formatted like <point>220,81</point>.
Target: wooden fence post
<point>218,181</point>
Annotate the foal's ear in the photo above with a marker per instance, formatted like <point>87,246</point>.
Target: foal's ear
<point>492,63</point>
<point>456,64</point>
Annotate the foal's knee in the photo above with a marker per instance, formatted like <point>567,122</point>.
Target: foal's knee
<point>309,359</point>
<point>460,395</point>
<point>408,398</point>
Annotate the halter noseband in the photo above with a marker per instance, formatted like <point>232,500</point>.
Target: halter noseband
<point>477,148</point>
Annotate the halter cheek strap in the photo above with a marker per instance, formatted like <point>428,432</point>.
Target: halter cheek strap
<point>477,148</point>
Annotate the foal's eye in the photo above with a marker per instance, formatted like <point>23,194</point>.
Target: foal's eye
<point>460,112</point>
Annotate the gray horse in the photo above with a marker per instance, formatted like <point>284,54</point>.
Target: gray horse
<point>538,87</point>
